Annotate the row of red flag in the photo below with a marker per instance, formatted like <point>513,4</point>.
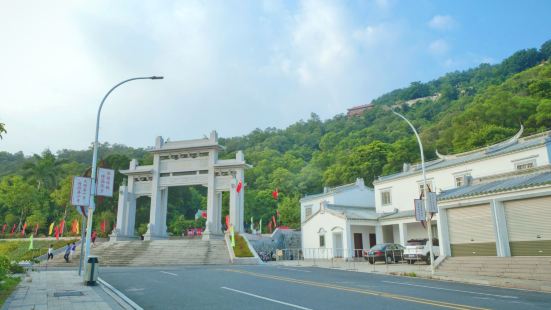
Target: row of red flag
<point>57,230</point>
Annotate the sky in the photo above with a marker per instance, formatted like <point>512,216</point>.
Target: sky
<point>230,66</point>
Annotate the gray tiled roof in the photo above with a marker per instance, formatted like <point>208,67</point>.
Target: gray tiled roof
<point>330,191</point>
<point>491,151</point>
<point>354,213</point>
<point>524,181</point>
<point>397,215</point>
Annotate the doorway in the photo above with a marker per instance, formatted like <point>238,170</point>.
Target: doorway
<point>358,245</point>
<point>372,240</point>
<point>337,245</point>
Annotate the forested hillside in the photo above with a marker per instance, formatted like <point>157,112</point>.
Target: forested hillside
<point>473,108</point>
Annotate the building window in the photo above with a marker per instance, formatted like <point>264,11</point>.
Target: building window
<point>322,241</point>
<point>421,187</point>
<point>461,180</point>
<point>522,165</point>
<point>386,198</point>
<point>308,212</point>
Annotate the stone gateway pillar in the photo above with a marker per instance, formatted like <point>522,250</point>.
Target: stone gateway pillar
<point>182,163</point>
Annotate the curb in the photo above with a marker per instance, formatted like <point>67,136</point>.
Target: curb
<point>120,297</point>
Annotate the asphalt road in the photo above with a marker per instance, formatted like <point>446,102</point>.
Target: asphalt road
<point>277,287</point>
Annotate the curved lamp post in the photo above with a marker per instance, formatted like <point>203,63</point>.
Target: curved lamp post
<point>425,192</point>
<point>92,206</point>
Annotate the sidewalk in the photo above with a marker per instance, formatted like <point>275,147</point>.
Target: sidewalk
<point>421,271</point>
<point>41,290</point>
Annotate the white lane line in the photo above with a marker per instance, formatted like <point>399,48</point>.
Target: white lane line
<point>266,298</point>
<point>293,269</point>
<point>170,273</point>
<point>452,290</point>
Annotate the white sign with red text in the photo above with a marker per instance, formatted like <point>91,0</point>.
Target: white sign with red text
<point>106,178</point>
<point>80,193</point>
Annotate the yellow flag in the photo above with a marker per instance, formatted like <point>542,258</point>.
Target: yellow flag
<point>51,229</point>
<point>232,235</point>
<point>78,229</point>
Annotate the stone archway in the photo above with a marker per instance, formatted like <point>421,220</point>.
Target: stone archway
<point>182,163</point>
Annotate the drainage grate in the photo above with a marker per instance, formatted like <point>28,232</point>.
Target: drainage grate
<point>68,293</point>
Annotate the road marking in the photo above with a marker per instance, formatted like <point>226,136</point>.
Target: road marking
<point>294,269</point>
<point>170,273</point>
<point>452,290</point>
<point>134,289</point>
<point>360,291</point>
<point>266,298</point>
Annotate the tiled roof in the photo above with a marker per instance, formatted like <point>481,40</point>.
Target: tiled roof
<point>332,190</point>
<point>525,181</point>
<point>397,215</point>
<point>487,152</point>
<point>353,213</point>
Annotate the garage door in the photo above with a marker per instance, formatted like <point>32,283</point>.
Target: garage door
<point>529,226</point>
<point>471,231</point>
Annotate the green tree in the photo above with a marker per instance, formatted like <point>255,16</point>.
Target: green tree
<point>2,129</point>
<point>19,197</point>
<point>289,211</point>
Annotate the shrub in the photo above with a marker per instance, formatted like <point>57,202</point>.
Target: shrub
<point>4,266</point>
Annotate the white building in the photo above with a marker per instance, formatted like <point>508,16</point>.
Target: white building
<point>492,201</point>
<point>337,221</point>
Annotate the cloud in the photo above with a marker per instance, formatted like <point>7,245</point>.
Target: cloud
<point>442,22</point>
<point>439,47</point>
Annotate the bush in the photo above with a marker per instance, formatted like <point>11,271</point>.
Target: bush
<point>4,266</point>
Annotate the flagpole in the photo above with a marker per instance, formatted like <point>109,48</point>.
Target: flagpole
<point>82,232</point>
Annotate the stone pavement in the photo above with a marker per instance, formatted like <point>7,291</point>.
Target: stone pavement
<point>41,289</point>
<point>421,270</point>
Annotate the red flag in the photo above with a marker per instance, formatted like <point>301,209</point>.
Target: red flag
<point>36,230</point>
<point>102,226</point>
<point>275,194</point>
<point>61,227</point>
<point>274,220</point>
<point>4,228</point>
<point>227,222</point>
<point>23,230</point>
<point>56,233</point>
<point>239,186</point>
<point>12,230</point>
<point>204,214</point>
<point>277,212</point>
<point>270,227</point>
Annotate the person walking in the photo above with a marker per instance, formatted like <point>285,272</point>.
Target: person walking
<point>93,237</point>
<point>50,252</point>
<point>73,250</point>
<point>67,252</point>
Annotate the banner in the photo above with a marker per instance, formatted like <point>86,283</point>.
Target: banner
<point>4,228</point>
<point>106,177</point>
<point>232,234</point>
<point>80,192</point>
<point>51,229</point>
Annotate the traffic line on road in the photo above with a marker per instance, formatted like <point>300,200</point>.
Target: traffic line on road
<point>452,290</point>
<point>293,269</point>
<point>266,298</point>
<point>170,273</point>
<point>361,291</point>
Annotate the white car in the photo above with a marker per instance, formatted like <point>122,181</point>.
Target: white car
<point>418,250</point>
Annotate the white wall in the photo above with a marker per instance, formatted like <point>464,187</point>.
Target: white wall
<point>365,231</point>
<point>310,231</point>
<point>315,204</point>
<point>404,190</point>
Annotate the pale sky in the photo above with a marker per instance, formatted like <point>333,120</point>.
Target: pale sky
<point>232,66</point>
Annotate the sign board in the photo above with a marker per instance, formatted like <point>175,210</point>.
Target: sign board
<point>106,177</point>
<point>431,203</point>
<point>420,214</point>
<point>80,193</point>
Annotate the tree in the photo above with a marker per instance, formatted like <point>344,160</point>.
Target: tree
<point>44,170</point>
<point>19,197</point>
<point>289,210</point>
<point>2,129</point>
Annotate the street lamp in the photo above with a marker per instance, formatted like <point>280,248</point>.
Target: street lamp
<point>425,192</point>
<point>94,162</point>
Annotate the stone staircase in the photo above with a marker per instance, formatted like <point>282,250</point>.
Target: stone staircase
<point>153,253</point>
<point>536,268</point>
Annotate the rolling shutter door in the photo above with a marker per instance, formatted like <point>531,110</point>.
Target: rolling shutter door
<point>529,226</point>
<point>471,231</point>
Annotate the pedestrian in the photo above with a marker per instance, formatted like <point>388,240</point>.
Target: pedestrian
<point>93,237</point>
<point>67,252</point>
<point>73,250</point>
<point>50,252</point>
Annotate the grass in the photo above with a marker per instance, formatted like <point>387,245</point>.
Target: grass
<point>7,286</point>
<point>241,248</point>
<point>19,250</point>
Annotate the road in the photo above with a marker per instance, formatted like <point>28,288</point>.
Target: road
<point>277,287</point>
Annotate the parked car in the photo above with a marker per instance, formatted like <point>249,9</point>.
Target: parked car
<point>418,250</point>
<point>386,252</point>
